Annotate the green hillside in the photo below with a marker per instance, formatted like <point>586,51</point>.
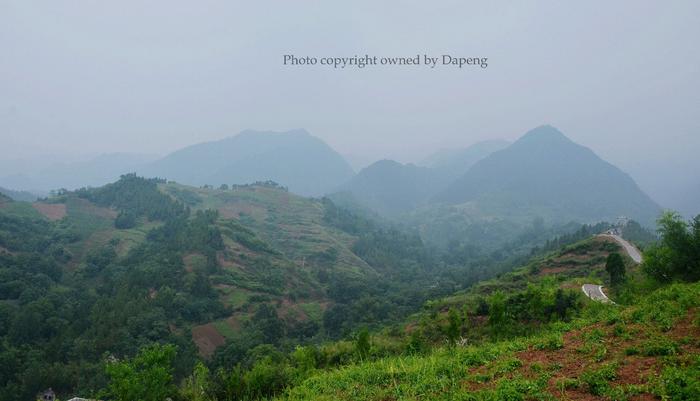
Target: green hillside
<point>251,292</point>
<point>391,188</point>
<point>531,334</point>
<point>217,272</point>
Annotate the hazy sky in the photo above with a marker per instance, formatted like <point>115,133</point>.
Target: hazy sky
<point>83,77</point>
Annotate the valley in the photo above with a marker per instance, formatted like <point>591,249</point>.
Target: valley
<point>259,292</point>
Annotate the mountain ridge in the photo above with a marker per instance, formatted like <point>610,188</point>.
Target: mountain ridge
<point>289,158</point>
<point>545,172</point>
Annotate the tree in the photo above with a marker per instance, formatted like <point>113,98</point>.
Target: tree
<point>482,308</point>
<point>146,377</point>
<point>416,343</point>
<point>563,302</point>
<point>335,319</point>
<point>196,386</point>
<point>269,324</point>
<point>454,326</point>
<point>497,310</point>
<point>677,255</point>
<point>615,266</point>
<point>362,344</point>
<point>125,220</point>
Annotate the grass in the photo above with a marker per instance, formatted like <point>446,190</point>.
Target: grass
<point>224,328</point>
<point>437,376</point>
<point>612,336</point>
<point>313,310</point>
<point>237,298</point>
<point>21,209</point>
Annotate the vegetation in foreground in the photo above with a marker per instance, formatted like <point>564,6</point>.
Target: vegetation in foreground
<point>540,340</point>
<point>227,276</point>
<point>114,284</point>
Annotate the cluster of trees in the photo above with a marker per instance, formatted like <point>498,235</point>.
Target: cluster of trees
<point>583,232</point>
<point>676,256</point>
<point>134,197</point>
<point>409,272</point>
<point>58,326</point>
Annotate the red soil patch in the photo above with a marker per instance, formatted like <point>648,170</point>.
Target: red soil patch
<point>207,339</point>
<point>685,328</point>
<point>570,286</point>
<point>233,210</point>
<point>234,323</point>
<point>553,270</point>
<point>573,362</point>
<point>52,211</point>
<point>189,261</point>
<point>636,370</point>
<point>90,208</point>
<point>291,312</point>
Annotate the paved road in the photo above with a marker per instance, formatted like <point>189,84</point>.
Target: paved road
<point>629,248</point>
<point>595,292</point>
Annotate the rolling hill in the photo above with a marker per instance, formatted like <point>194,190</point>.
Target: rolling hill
<point>390,188</point>
<point>261,283</point>
<point>218,272</point>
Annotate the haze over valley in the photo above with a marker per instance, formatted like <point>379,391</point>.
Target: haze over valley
<point>291,201</point>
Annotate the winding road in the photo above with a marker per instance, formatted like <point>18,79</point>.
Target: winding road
<point>631,250</point>
<point>595,291</point>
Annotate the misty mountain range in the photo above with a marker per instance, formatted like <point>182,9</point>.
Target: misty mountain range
<point>541,174</point>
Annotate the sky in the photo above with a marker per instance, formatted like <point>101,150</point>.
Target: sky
<point>88,77</point>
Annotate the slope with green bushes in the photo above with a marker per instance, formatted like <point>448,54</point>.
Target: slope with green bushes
<point>531,334</point>
<point>221,274</point>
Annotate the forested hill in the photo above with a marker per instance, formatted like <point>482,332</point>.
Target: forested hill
<point>146,287</point>
<point>217,273</point>
<point>391,188</point>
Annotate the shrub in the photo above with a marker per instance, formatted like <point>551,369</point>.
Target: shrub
<point>598,381</point>
<point>659,346</point>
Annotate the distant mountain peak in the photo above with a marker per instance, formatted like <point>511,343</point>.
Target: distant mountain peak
<point>253,132</point>
<point>384,163</point>
<point>544,133</point>
<point>545,173</point>
<point>290,158</point>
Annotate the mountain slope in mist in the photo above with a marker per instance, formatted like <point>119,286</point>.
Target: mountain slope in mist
<point>546,174</point>
<point>295,159</point>
<point>391,188</point>
<point>453,163</point>
<point>18,195</point>
<point>93,172</point>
